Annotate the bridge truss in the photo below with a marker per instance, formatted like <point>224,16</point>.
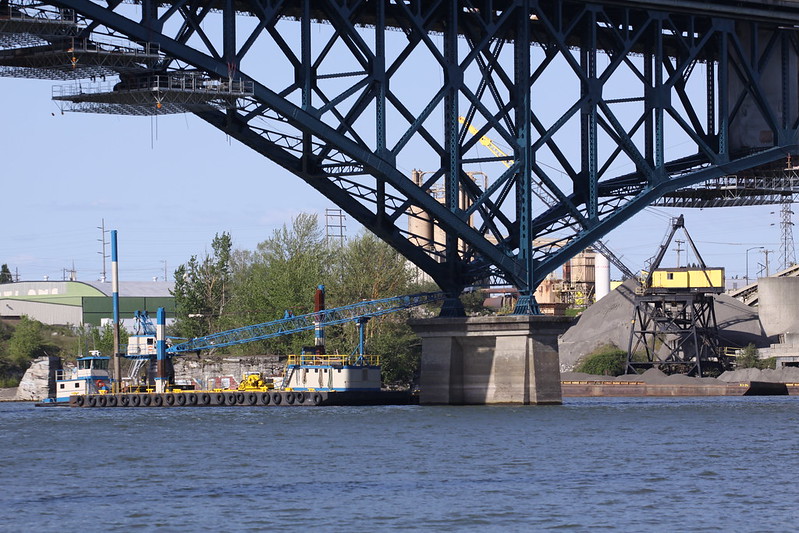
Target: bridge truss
<point>606,105</point>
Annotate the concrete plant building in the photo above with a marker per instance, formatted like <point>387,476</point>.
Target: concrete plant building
<point>77,302</point>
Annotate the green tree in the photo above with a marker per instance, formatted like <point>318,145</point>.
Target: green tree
<point>6,332</point>
<point>201,290</point>
<point>281,274</point>
<point>371,269</point>
<point>399,348</point>
<point>26,343</point>
<point>473,303</point>
<point>5,274</point>
<point>750,358</point>
<point>103,338</point>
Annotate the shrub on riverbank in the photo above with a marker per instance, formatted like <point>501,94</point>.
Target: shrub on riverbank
<point>607,360</point>
<point>750,358</point>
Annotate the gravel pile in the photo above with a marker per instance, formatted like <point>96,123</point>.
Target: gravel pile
<point>653,376</point>
<point>783,375</point>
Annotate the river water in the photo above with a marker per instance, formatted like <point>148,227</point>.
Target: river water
<point>640,464</point>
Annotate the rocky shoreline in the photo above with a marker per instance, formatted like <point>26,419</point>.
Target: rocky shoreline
<point>8,395</point>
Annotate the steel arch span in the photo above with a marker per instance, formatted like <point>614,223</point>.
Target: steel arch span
<point>603,107</point>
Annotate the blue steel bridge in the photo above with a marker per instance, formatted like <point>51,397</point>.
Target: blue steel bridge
<point>595,109</point>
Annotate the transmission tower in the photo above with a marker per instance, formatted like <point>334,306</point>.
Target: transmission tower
<point>787,249</point>
<point>103,231</point>
<point>335,228</point>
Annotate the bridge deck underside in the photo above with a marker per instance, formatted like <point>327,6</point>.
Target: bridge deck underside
<point>58,63</point>
<point>764,186</point>
<point>768,11</point>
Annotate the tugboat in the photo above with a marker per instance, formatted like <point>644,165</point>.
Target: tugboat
<point>90,376</point>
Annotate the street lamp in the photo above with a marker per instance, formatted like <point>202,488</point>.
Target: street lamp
<point>747,260</point>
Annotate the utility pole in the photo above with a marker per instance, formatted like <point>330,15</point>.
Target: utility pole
<point>70,274</point>
<point>117,383</point>
<point>766,252</point>
<point>101,227</point>
<point>678,250</point>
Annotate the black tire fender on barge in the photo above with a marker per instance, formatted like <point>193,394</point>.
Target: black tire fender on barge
<point>252,399</point>
<point>205,399</point>
<point>169,399</point>
<point>220,399</point>
<point>290,398</point>
<point>265,398</point>
<point>112,401</point>
<point>146,400</point>
<point>102,401</point>
<point>92,401</point>
<point>135,400</point>
<point>230,398</point>
<point>316,398</point>
<point>158,400</point>
<point>276,398</point>
<point>80,400</point>
<point>124,400</point>
<point>180,399</point>
<point>300,397</point>
<point>191,398</point>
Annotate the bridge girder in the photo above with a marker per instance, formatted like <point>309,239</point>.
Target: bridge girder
<point>576,90</point>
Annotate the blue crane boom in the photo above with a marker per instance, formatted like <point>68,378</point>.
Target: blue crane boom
<point>144,326</point>
<point>296,324</point>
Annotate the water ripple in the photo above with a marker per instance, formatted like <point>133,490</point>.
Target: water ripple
<point>633,464</point>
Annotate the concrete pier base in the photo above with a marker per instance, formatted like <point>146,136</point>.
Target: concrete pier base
<point>490,360</point>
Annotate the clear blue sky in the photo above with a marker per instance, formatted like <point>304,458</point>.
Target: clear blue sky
<point>169,184</point>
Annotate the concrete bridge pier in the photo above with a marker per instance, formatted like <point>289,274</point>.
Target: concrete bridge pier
<point>490,360</point>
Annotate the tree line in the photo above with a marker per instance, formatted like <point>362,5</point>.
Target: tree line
<point>226,289</point>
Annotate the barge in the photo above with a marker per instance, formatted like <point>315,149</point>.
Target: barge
<point>282,398</point>
<point>309,380</point>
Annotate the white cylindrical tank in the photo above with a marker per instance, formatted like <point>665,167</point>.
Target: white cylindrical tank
<point>421,227</point>
<point>602,273</point>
